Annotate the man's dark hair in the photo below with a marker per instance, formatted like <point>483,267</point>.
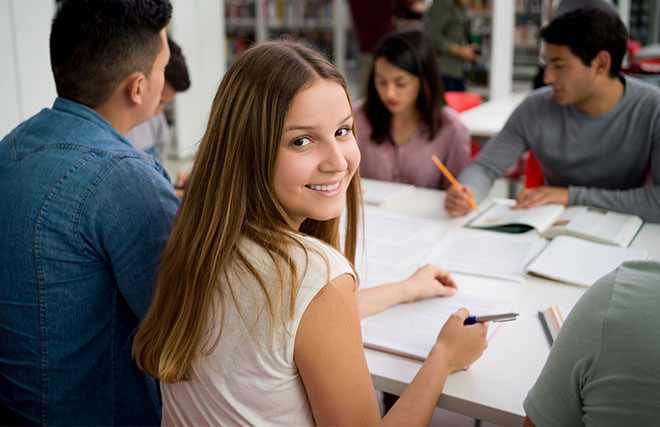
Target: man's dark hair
<point>95,44</point>
<point>176,72</point>
<point>587,31</point>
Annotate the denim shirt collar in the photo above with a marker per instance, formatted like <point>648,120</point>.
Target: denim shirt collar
<point>84,112</point>
<point>68,124</point>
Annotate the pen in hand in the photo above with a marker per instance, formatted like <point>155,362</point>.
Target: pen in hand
<point>504,317</point>
<point>453,181</point>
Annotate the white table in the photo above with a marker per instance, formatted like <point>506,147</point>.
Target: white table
<point>495,386</point>
<point>487,119</point>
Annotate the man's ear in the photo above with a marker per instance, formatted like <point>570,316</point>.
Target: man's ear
<point>602,62</point>
<point>134,87</point>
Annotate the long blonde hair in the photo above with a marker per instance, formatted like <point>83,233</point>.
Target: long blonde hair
<point>229,197</point>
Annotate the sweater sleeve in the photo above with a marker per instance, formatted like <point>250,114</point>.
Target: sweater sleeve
<point>642,201</point>
<point>498,154</point>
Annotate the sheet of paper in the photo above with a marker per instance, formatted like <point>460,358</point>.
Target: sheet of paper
<point>411,329</point>
<point>386,226</point>
<point>393,254</point>
<point>378,192</point>
<point>487,253</point>
<point>391,241</point>
<point>574,260</point>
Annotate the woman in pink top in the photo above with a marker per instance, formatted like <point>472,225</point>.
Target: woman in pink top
<point>404,119</point>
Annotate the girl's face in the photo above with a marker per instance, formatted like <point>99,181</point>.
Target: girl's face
<point>397,88</point>
<point>318,154</point>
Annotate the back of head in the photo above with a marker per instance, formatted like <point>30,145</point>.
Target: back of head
<point>587,31</point>
<point>176,72</point>
<point>412,51</point>
<point>96,44</point>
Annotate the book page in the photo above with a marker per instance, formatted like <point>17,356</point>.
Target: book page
<point>581,262</point>
<point>392,240</point>
<point>411,329</point>
<point>393,227</point>
<point>377,192</point>
<point>596,224</point>
<point>394,254</point>
<point>487,253</point>
<point>501,214</point>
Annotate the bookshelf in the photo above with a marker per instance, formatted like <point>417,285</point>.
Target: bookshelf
<point>526,44</point>
<point>325,24</point>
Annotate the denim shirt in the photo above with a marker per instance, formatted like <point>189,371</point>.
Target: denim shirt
<point>83,221</point>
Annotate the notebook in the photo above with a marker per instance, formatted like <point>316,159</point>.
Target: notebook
<point>552,220</point>
<point>411,329</point>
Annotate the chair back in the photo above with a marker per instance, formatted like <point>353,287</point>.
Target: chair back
<point>461,101</point>
<point>533,172</point>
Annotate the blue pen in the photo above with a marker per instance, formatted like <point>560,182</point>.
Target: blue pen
<point>505,317</point>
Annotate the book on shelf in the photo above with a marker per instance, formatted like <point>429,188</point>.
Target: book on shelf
<point>411,329</point>
<point>552,318</point>
<point>598,225</point>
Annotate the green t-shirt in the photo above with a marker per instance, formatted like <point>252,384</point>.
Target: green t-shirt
<point>604,368</point>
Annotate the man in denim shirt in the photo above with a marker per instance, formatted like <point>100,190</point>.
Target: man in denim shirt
<point>83,222</point>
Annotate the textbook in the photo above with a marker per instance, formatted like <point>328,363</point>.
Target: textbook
<point>484,253</point>
<point>510,256</point>
<point>598,225</point>
<point>580,262</point>
<point>552,318</point>
<point>411,329</point>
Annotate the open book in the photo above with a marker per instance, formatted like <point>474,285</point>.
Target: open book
<point>411,329</point>
<point>483,253</point>
<point>598,225</point>
<point>509,256</point>
<point>552,318</point>
<point>581,262</point>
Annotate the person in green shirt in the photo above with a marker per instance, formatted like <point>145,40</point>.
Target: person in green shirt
<point>603,368</point>
<point>448,25</point>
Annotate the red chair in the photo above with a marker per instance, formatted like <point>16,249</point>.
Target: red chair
<point>533,172</point>
<point>461,101</point>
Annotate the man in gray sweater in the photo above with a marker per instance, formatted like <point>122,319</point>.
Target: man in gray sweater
<point>596,133</point>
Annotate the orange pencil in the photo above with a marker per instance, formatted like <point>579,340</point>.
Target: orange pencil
<point>453,181</point>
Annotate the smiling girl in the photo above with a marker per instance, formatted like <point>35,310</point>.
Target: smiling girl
<point>255,319</point>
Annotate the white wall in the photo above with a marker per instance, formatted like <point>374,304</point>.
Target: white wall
<point>199,28</point>
<point>26,81</point>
